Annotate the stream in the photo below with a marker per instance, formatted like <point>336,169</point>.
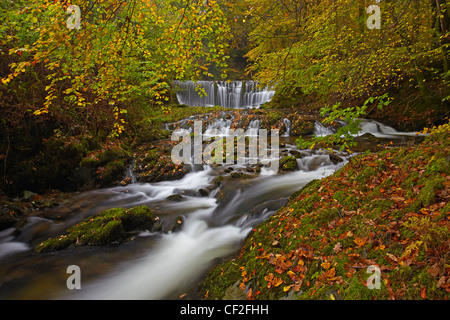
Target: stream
<point>159,265</point>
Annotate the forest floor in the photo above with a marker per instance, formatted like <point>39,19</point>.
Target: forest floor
<point>376,229</point>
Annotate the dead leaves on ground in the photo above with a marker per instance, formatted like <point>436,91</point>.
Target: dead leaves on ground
<point>300,251</point>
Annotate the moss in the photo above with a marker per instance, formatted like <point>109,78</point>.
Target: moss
<point>239,175</point>
<point>427,194</point>
<point>288,163</point>
<point>109,227</point>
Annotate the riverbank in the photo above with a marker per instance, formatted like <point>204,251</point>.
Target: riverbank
<point>386,212</point>
<point>234,199</point>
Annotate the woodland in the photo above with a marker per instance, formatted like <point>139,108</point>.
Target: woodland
<point>84,95</point>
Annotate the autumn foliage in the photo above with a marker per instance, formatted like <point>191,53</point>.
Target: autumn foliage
<point>389,209</point>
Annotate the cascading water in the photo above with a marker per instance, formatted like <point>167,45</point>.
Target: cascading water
<point>287,125</point>
<point>158,265</point>
<point>228,94</point>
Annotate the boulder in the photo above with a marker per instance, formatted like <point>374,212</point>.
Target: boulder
<point>335,159</point>
<point>288,163</point>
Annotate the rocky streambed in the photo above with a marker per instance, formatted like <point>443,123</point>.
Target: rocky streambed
<point>172,222</point>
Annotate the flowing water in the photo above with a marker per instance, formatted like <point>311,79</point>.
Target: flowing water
<point>228,94</point>
<point>155,265</point>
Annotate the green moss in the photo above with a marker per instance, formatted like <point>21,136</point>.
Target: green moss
<point>288,163</point>
<point>427,194</point>
<point>109,227</point>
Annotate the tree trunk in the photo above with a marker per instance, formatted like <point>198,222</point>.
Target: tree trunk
<point>443,18</point>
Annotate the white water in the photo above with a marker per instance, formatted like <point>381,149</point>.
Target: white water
<point>211,229</point>
<point>287,124</point>
<point>381,130</point>
<point>228,94</point>
<point>8,246</point>
<point>180,258</point>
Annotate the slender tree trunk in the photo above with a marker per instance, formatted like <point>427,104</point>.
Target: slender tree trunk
<point>442,30</point>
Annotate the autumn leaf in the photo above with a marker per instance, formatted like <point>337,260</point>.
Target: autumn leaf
<point>326,265</point>
<point>337,248</point>
<point>423,293</point>
<point>434,270</point>
<point>360,241</point>
<point>330,273</point>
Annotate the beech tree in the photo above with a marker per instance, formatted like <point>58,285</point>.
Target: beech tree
<point>325,47</point>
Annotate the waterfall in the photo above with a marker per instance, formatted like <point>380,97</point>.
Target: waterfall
<point>320,130</point>
<point>287,124</point>
<point>228,94</point>
<point>253,128</point>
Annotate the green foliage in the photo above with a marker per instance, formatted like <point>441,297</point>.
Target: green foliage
<point>344,135</point>
<point>325,49</point>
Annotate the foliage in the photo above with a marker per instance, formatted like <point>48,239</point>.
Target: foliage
<point>324,48</point>
<point>124,53</point>
<point>392,214</point>
<point>345,134</point>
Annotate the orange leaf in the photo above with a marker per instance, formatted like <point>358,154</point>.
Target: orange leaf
<point>360,241</point>
<point>330,273</point>
<point>326,265</point>
<point>423,293</point>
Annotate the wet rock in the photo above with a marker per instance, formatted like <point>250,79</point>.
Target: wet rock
<point>299,154</point>
<point>288,163</point>
<point>175,197</point>
<point>6,219</point>
<point>218,181</point>
<point>176,225</point>
<point>229,169</point>
<point>335,159</point>
<point>109,227</point>
<point>234,292</point>
<point>239,175</point>
<point>27,195</point>
<point>203,192</point>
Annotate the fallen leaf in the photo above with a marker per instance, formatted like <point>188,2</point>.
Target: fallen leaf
<point>423,293</point>
<point>360,241</point>
<point>441,282</point>
<point>330,273</point>
<point>434,270</point>
<point>337,248</point>
<point>392,257</point>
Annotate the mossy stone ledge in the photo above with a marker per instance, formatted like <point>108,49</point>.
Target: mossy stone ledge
<point>109,227</point>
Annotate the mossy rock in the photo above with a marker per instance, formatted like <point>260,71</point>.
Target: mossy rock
<point>288,163</point>
<point>175,197</point>
<point>239,175</point>
<point>109,227</point>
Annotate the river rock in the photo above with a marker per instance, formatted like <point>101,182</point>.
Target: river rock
<point>239,175</point>
<point>335,158</point>
<point>176,225</point>
<point>175,197</point>
<point>27,195</point>
<point>299,154</point>
<point>109,227</point>
<point>288,163</point>
<point>234,292</point>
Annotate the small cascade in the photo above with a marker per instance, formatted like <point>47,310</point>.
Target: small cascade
<point>321,131</point>
<point>130,173</point>
<point>253,128</point>
<point>287,124</point>
<point>228,94</point>
<point>220,127</point>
